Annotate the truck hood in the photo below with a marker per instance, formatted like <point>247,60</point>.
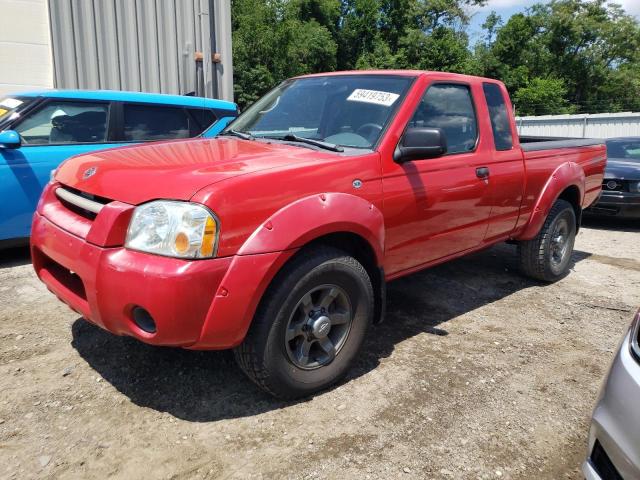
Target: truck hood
<point>176,169</point>
<point>623,169</point>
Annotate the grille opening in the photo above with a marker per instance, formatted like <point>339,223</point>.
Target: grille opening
<point>66,277</point>
<point>95,198</point>
<point>78,211</point>
<point>603,464</point>
<point>89,215</point>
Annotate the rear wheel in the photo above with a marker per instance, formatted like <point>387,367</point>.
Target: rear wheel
<point>310,324</point>
<point>547,256</point>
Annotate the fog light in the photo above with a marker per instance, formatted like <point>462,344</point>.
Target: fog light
<point>143,320</point>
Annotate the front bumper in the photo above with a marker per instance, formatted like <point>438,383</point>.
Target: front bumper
<point>104,285</point>
<point>620,204</point>
<point>196,304</point>
<point>616,419</point>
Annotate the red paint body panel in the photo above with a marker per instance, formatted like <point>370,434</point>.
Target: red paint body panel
<point>271,200</point>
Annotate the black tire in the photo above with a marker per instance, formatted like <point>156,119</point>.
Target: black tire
<point>543,258</point>
<point>268,357</point>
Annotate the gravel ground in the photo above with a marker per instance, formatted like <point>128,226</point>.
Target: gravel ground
<point>476,373</point>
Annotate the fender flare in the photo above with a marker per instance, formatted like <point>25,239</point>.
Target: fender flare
<point>312,217</point>
<point>567,175</point>
<point>270,246</point>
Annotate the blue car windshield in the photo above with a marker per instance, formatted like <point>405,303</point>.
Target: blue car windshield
<point>10,107</point>
<point>344,110</point>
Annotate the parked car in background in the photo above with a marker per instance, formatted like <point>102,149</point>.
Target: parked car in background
<point>621,186</point>
<point>39,130</point>
<point>277,237</point>
<point>614,438</point>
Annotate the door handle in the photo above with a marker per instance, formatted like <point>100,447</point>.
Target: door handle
<point>482,172</point>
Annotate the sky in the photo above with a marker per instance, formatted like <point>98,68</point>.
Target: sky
<point>506,8</point>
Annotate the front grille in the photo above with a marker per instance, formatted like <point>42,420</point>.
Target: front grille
<point>81,203</point>
<point>615,185</point>
<point>603,464</point>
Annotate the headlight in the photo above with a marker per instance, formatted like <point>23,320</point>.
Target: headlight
<point>635,336</point>
<point>634,187</point>
<point>173,229</point>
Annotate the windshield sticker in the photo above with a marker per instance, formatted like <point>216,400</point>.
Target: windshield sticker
<point>11,103</point>
<point>373,96</point>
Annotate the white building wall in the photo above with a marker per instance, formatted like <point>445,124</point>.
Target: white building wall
<point>602,125</point>
<point>25,46</point>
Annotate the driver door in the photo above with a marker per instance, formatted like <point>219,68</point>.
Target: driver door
<point>438,207</point>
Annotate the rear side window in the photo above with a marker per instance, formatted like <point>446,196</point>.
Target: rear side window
<point>154,122</point>
<point>499,115</point>
<point>450,108</point>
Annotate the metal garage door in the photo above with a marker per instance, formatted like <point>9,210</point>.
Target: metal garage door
<point>142,45</point>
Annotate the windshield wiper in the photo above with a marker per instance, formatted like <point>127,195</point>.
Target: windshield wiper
<point>290,137</point>
<point>236,133</point>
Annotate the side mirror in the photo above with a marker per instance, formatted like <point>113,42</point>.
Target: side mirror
<point>10,139</point>
<point>420,143</point>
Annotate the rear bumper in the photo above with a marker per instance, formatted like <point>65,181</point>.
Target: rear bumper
<point>616,419</point>
<point>201,304</point>
<point>621,204</point>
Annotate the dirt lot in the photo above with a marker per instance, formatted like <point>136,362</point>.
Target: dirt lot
<point>477,373</point>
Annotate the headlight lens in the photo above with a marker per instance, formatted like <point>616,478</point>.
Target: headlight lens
<point>635,336</point>
<point>634,187</point>
<point>173,229</point>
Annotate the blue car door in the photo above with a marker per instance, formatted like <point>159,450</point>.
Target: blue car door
<point>54,132</point>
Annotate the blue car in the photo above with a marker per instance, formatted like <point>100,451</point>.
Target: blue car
<point>39,130</point>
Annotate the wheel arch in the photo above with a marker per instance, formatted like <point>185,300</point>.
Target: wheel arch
<point>573,195</point>
<point>361,249</point>
<point>343,221</point>
<point>567,182</point>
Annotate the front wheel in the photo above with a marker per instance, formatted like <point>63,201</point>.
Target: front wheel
<point>547,256</point>
<point>310,325</point>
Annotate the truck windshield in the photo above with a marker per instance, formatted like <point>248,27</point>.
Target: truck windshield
<point>344,110</point>
<point>11,106</point>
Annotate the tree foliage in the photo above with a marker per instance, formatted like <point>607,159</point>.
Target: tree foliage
<point>586,52</point>
<point>557,57</point>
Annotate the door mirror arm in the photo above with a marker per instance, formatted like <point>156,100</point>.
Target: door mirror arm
<point>419,143</point>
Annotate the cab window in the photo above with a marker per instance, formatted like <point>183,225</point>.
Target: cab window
<point>450,108</point>
<point>500,121</point>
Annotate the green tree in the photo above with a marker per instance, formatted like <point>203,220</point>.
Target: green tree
<point>591,46</point>
<point>277,39</point>
<point>543,96</point>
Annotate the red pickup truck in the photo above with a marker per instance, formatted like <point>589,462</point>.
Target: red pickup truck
<point>277,238</point>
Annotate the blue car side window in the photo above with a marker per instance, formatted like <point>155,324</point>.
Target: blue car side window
<point>59,123</point>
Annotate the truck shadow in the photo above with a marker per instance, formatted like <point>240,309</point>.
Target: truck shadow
<point>207,386</point>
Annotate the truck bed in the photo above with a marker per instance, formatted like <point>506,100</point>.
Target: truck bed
<point>533,143</point>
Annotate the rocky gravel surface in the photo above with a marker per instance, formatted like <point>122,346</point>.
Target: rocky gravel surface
<point>477,373</point>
